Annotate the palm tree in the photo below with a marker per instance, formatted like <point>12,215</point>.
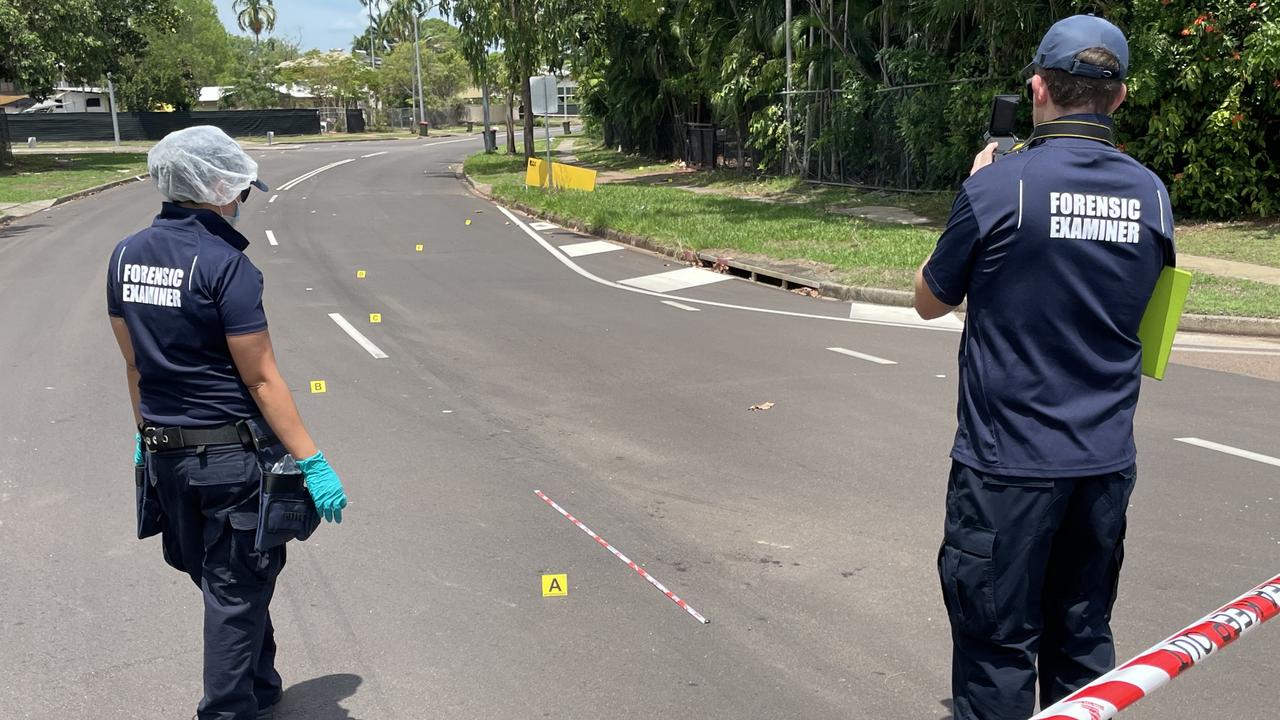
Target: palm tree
<point>255,16</point>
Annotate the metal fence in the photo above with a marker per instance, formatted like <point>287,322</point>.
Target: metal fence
<point>911,137</point>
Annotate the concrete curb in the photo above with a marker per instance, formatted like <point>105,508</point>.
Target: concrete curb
<point>1216,324</point>
<point>6,219</point>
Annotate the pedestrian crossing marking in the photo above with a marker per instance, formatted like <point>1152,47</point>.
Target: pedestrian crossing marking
<point>594,247</point>
<point>555,585</point>
<point>676,280</point>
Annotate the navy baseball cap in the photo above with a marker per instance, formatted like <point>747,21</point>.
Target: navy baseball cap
<point>1071,36</point>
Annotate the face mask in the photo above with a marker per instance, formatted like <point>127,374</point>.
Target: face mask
<point>233,218</point>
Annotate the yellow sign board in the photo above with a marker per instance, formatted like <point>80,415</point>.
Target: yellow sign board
<point>317,386</point>
<point>375,318</point>
<point>555,585</point>
<point>562,176</point>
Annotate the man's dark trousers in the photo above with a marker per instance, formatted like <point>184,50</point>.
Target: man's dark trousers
<point>210,503</point>
<point>1029,570</point>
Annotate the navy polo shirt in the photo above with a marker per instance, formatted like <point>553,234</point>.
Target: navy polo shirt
<point>1057,248</point>
<point>182,286</point>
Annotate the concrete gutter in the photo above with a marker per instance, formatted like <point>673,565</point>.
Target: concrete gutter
<point>6,219</point>
<point>758,271</point>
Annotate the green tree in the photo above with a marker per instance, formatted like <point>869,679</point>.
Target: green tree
<point>336,78</point>
<point>255,16</point>
<point>182,58</point>
<point>77,41</point>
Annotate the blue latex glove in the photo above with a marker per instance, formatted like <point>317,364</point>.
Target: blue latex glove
<point>324,486</point>
<point>137,449</point>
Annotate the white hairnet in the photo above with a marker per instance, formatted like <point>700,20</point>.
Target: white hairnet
<point>200,164</point>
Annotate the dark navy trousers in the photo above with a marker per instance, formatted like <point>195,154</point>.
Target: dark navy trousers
<point>1029,570</point>
<point>210,505</point>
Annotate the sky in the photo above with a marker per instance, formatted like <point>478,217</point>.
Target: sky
<point>319,24</point>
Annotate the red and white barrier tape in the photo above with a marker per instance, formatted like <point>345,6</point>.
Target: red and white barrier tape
<point>630,563</point>
<point>1129,683</point>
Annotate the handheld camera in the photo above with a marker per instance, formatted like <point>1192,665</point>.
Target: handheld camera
<point>1004,112</point>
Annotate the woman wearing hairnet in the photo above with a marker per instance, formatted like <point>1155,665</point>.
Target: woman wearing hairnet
<point>214,415</point>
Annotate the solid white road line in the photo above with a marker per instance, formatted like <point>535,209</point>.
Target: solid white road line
<point>595,247</point>
<point>271,238</point>
<point>313,173</point>
<point>682,306</point>
<point>1246,454</point>
<point>542,226</point>
<point>384,152</point>
<point>273,199</point>
<point>862,356</point>
<point>564,260</point>
<point>681,279</point>
<point>868,311</point>
<point>450,142</point>
<point>1227,351</point>
<point>358,336</point>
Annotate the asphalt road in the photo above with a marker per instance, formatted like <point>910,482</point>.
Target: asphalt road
<point>806,533</point>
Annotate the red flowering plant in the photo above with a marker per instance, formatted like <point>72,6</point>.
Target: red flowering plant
<point>1204,102</point>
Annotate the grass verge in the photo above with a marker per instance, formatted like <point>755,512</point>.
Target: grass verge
<point>1251,242</point>
<point>798,229</point>
<point>43,177</point>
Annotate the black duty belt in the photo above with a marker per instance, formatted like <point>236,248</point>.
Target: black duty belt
<point>156,438</point>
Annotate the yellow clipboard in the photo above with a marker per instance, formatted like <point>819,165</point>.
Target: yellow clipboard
<point>1160,321</point>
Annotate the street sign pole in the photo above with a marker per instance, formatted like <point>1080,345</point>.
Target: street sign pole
<point>543,94</point>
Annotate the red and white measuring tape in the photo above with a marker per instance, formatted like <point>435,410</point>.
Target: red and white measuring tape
<point>685,606</point>
<point>1129,683</point>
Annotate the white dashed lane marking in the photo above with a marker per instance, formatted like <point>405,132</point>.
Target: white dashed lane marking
<point>384,152</point>
<point>595,247</point>
<point>681,279</point>
<point>271,238</point>
<point>543,226</point>
<point>862,356</point>
<point>1246,454</point>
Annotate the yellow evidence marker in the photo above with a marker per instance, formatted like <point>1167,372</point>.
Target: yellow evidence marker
<point>317,386</point>
<point>360,274</point>
<point>555,585</point>
<point>468,221</point>
<point>375,318</point>
<point>418,247</point>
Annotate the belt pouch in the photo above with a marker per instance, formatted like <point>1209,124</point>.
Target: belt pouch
<point>148,505</point>
<point>285,510</point>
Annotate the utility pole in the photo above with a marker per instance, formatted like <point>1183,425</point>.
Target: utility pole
<point>417,61</point>
<point>373,54</point>
<point>111,98</point>
<point>786,166</point>
<point>488,147</point>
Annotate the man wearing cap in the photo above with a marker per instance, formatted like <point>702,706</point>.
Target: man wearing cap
<point>185,305</point>
<point>1057,247</point>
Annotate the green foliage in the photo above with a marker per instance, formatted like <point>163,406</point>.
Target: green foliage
<point>80,41</point>
<point>255,16</point>
<point>181,58</point>
<point>338,79</point>
<point>1204,107</point>
<point>896,92</point>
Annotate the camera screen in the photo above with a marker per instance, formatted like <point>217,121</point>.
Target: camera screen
<point>1004,110</point>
